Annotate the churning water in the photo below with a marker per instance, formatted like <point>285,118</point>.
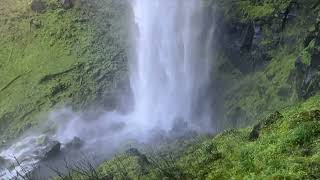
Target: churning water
<point>170,71</point>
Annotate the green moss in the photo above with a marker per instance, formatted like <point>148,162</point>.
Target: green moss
<point>262,92</point>
<point>287,147</point>
<point>50,58</point>
<point>125,166</point>
<point>274,83</point>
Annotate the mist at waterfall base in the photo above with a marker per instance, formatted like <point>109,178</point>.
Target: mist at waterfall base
<point>169,74</point>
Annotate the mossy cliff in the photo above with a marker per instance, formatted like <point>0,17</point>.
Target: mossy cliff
<point>267,56</point>
<point>55,54</point>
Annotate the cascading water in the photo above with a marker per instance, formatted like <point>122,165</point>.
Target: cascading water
<point>169,69</point>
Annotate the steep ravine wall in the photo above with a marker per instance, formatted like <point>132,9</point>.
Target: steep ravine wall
<point>267,59</point>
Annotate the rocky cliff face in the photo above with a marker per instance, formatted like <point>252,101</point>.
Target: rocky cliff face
<point>268,56</point>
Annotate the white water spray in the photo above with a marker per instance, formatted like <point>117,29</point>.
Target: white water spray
<point>171,66</point>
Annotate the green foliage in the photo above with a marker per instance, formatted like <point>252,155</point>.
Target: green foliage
<point>272,84</point>
<point>261,92</point>
<point>58,57</point>
<point>287,148</point>
<point>252,10</point>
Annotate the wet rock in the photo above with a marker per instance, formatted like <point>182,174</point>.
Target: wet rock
<point>51,150</point>
<point>3,163</point>
<point>133,152</point>
<point>76,143</point>
<point>271,119</point>
<point>254,134</point>
<point>143,160</point>
<point>47,148</point>
<point>66,4</point>
<point>38,6</point>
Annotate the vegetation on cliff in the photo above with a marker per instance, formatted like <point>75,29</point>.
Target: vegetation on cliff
<point>53,55</point>
<point>271,51</point>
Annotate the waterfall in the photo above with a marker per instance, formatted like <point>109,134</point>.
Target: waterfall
<point>169,74</point>
<point>171,66</point>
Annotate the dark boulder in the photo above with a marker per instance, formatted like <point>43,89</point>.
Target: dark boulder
<point>265,123</point>
<point>142,159</point>
<point>133,152</point>
<point>50,150</point>
<point>3,163</point>
<point>254,134</point>
<point>38,6</point>
<point>75,143</point>
<point>66,4</point>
